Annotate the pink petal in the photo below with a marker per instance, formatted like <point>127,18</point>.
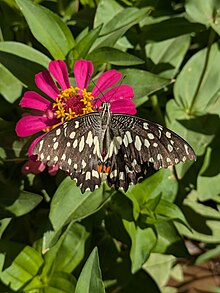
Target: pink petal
<point>45,82</point>
<point>83,71</point>
<point>123,106</point>
<point>33,100</point>
<point>59,71</point>
<point>34,142</point>
<point>33,167</point>
<point>120,92</point>
<point>29,125</point>
<point>105,81</point>
<point>53,170</point>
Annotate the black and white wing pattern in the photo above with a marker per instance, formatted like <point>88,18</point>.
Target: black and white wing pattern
<point>142,142</point>
<point>72,146</point>
<point>113,147</point>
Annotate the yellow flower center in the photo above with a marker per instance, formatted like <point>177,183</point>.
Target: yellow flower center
<point>73,102</point>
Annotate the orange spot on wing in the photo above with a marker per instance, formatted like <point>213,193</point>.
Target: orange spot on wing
<point>107,169</point>
<point>99,167</point>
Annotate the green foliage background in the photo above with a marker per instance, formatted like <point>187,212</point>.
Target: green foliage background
<point>53,238</point>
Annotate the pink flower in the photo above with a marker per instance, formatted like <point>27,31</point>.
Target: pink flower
<point>67,102</point>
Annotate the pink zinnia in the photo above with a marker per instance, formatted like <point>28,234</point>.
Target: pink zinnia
<point>68,102</point>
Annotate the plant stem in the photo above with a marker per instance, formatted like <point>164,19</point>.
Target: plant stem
<point>210,42</point>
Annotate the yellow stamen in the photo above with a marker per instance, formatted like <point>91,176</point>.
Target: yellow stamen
<point>81,101</point>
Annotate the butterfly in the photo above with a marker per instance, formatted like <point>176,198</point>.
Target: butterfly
<point>113,147</point>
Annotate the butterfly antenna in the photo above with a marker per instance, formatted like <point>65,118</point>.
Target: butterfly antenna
<point>95,99</point>
<point>117,88</point>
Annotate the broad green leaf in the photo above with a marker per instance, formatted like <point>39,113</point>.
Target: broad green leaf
<point>47,28</point>
<point>169,240</point>
<point>125,206</point>
<point>208,181</point>
<point>24,267</point>
<point>113,56</point>
<point>15,203</point>
<point>203,220</point>
<point>118,25</point>
<point>143,82</point>
<point>69,204</point>
<point>82,48</point>
<point>22,61</point>
<point>198,84</point>
<point>69,250</point>
<point>170,211</point>
<point>123,18</point>
<point>159,267</point>
<point>205,12</point>
<point>90,279</point>
<point>3,225</point>
<point>115,227</point>
<point>105,11</point>
<point>162,182</point>
<point>10,87</point>
<point>198,131</point>
<point>61,282</point>
<point>58,282</point>
<point>160,29</point>
<point>142,243</point>
<point>165,57</point>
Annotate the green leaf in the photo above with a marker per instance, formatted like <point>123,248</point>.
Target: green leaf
<point>169,240</point>
<point>159,267</point>
<point>10,87</point>
<point>90,279</point>
<point>22,61</point>
<point>61,282</point>
<point>162,182</point>
<point>24,267</point>
<point>160,29</point>
<point>113,56</point>
<point>143,82</point>
<point>69,204</point>
<point>82,48</point>
<point>69,250</point>
<point>142,243</point>
<point>123,18</point>
<point>198,131</point>
<point>206,12</point>
<point>198,84</point>
<point>3,225</point>
<point>203,220</point>
<point>47,28</point>
<point>208,255</point>
<point>208,180</point>
<point>18,203</point>
<point>125,207</point>
<point>118,25</point>
<point>105,11</point>
<point>58,282</point>
<point>165,57</point>
<point>170,211</point>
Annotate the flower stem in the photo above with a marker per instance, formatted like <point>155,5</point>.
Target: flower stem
<point>210,42</point>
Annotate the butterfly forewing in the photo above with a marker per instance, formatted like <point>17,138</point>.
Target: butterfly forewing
<point>71,146</point>
<point>118,145</point>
